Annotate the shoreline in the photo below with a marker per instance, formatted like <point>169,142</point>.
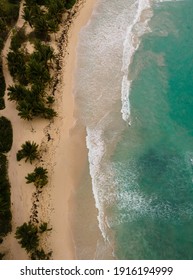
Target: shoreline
<point>65,171</point>
<point>73,144</point>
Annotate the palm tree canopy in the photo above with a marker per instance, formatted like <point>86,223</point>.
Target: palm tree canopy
<point>39,177</point>
<point>29,151</point>
<point>27,234</point>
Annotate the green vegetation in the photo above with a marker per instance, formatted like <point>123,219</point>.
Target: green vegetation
<point>29,151</point>
<point>45,16</point>
<point>8,15</point>
<point>44,227</point>
<point>34,70</point>
<point>39,177</point>
<point>2,87</point>
<point>28,236</point>
<point>5,145</point>
<point>6,135</point>
<point>40,255</point>
<point>17,66</point>
<point>18,38</point>
<point>32,77</point>
<point>9,11</point>
<point>5,203</point>
<point>69,4</point>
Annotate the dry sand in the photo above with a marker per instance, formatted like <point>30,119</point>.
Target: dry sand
<point>64,155</point>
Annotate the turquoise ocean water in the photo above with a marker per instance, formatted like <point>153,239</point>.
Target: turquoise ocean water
<point>135,96</point>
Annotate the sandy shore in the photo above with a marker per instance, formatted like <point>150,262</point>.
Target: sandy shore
<point>64,155</point>
<point>71,153</point>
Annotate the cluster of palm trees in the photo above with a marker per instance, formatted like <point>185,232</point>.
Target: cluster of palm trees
<point>39,177</point>
<point>45,15</point>
<point>29,152</point>
<point>32,75</point>
<point>28,236</point>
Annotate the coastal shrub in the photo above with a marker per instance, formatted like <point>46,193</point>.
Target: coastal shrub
<point>5,203</point>
<point>6,135</point>
<point>39,177</point>
<point>29,151</point>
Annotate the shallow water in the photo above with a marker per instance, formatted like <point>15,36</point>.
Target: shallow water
<point>140,152</point>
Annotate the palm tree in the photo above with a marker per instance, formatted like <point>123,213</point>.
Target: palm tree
<point>46,52</point>
<point>44,227</point>
<point>49,113</point>
<point>29,151</point>
<point>17,66</point>
<point>53,25</point>
<point>25,111</point>
<point>17,93</point>
<point>37,72</point>
<point>40,255</point>
<point>41,26</point>
<point>28,16</point>
<point>39,177</point>
<point>27,234</point>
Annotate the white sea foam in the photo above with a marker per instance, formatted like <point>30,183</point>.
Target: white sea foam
<point>131,44</point>
<point>96,147</point>
<point>98,87</point>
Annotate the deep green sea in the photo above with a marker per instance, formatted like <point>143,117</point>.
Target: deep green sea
<point>142,166</point>
<point>154,159</point>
